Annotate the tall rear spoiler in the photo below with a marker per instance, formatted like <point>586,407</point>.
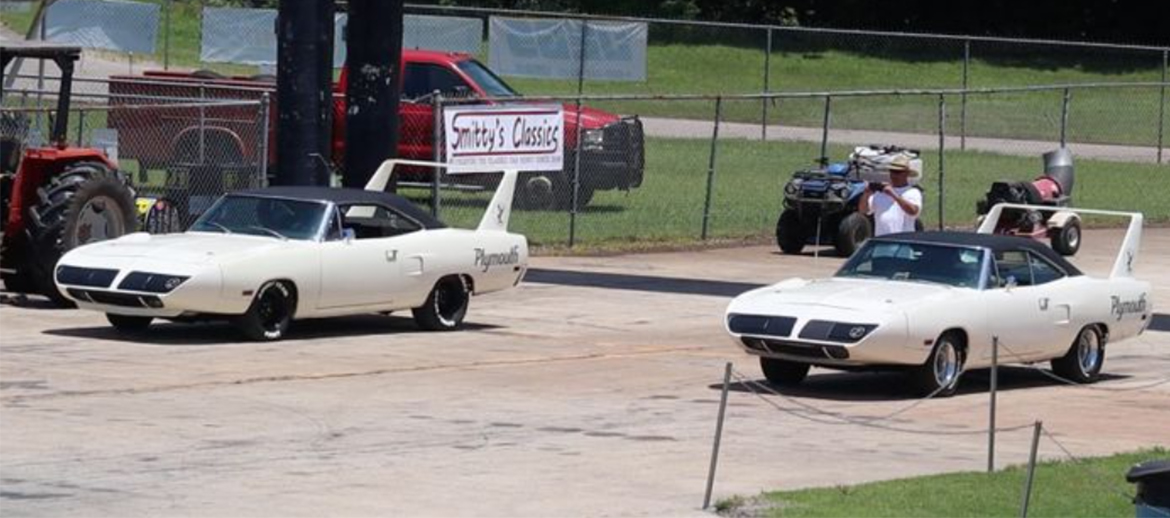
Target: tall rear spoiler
<point>1122,266</point>
<point>498,211</point>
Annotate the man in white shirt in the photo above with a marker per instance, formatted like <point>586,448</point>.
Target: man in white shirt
<point>895,207</point>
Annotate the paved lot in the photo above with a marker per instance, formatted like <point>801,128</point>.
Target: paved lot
<point>562,399</point>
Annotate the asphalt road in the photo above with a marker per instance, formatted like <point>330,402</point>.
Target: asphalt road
<point>575,394</point>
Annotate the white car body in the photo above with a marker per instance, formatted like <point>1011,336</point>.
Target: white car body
<point>1032,323</point>
<point>331,276</point>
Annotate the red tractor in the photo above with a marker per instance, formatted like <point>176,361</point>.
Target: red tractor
<point>1051,189</point>
<point>55,197</point>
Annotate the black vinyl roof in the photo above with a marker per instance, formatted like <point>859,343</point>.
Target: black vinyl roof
<point>346,196</point>
<point>996,242</point>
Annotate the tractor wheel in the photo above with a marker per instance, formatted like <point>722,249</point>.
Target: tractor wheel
<point>852,232</point>
<point>790,233</point>
<point>1067,239</point>
<point>85,203</point>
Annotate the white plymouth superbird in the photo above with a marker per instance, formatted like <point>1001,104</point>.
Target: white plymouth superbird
<point>932,303</point>
<point>264,257</point>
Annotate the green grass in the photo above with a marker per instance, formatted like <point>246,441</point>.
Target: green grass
<point>1094,488</point>
<point>746,196</point>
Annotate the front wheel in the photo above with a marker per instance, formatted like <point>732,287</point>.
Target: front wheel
<point>128,323</point>
<point>789,233</point>
<point>1084,359</point>
<point>783,372</point>
<point>1067,240</point>
<point>445,306</point>
<point>271,312</point>
<point>939,376</point>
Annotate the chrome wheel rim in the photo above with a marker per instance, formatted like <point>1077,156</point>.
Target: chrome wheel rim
<point>1074,237</point>
<point>1088,351</point>
<point>99,220</point>
<point>946,364</point>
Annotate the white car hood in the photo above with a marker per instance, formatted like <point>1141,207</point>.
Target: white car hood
<point>185,248</point>
<point>851,294</point>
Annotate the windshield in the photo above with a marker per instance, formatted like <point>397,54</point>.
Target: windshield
<point>899,261</point>
<point>492,85</point>
<point>274,217</point>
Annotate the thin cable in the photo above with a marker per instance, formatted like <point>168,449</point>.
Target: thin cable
<point>1102,480</point>
<point>1067,381</point>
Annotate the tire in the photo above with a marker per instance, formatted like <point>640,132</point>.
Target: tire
<point>128,323</point>
<point>1067,240</point>
<point>790,233</point>
<point>271,312</point>
<point>851,233</point>
<point>1084,359</point>
<point>83,198</point>
<point>940,374</point>
<point>445,306</point>
<point>536,192</point>
<point>783,372</point>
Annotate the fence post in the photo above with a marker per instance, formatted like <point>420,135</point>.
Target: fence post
<point>265,118</point>
<point>991,416</point>
<point>581,60</point>
<point>963,100</point>
<point>942,120</point>
<point>436,149</point>
<point>1064,117</point>
<point>202,123</point>
<point>167,35</point>
<point>711,167</point>
<point>576,180</point>
<point>767,74</point>
<point>718,436</point>
<point>1162,105</point>
<point>1031,468</point>
<point>824,160</point>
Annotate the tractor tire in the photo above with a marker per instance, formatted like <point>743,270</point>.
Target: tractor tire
<point>852,232</point>
<point>86,202</point>
<point>790,233</point>
<point>1067,240</point>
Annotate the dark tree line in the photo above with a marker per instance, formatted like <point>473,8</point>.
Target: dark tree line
<point>1140,22</point>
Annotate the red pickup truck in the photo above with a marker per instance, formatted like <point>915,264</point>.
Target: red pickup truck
<point>612,146</point>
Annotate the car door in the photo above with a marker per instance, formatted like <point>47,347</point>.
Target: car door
<point>1056,295</point>
<point>359,264</point>
<point>419,83</point>
<point>1018,311</point>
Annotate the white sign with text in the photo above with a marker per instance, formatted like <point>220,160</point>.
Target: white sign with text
<point>491,138</point>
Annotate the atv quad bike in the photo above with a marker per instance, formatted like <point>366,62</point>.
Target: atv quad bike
<point>55,197</point>
<point>820,205</point>
<point>1053,188</point>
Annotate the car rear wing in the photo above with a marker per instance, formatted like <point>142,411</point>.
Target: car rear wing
<point>1122,266</point>
<point>498,211</point>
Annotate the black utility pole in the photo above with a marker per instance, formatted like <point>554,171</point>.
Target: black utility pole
<point>373,43</point>
<point>304,86</point>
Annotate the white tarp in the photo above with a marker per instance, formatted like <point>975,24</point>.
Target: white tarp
<point>104,24</point>
<point>552,48</point>
<point>234,35</point>
<point>489,138</point>
<point>446,33</point>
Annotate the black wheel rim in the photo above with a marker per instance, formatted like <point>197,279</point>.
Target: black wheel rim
<point>272,309</point>
<point>449,299</point>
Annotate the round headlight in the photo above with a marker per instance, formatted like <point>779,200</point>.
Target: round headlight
<point>172,283</point>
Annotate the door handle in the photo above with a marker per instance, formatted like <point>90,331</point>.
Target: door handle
<point>1044,304</point>
<point>391,256</point>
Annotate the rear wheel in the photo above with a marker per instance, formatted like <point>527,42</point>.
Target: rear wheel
<point>128,323</point>
<point>1084,359</point>
<point>852,232</point>
<point>271,312</point>
<point>939,376</point>
<point>790,233</point>
<point>783,372</point>
<point>445,306</point>
<point>1067,240</point>
<point>85,203</point>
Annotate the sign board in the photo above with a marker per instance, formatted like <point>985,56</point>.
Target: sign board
<point>491,138</point>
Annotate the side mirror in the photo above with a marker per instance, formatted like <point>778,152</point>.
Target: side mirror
<point>463,92</point>
<point>1011,282</point>
<point>348,235</point>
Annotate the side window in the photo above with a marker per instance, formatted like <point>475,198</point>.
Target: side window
<point>1043,271</point>
<point>1014,264</point>
<point>421,79</point>
<point>376,221</point>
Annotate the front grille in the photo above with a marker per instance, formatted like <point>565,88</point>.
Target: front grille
<point>624,140</point>
<point>151,282</point>
<point>804,350</point>
<point>92,277</point>
<point>760,325</point>
<point>116,299</point>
